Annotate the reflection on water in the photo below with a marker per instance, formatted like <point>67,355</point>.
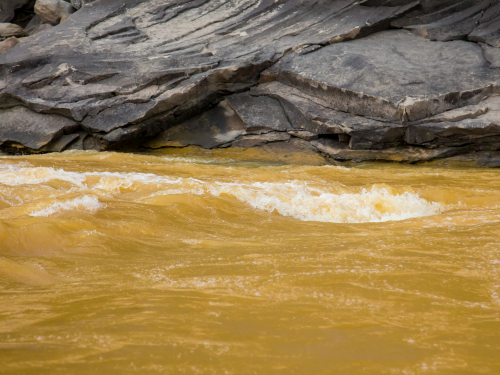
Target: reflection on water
<point>239,262</point>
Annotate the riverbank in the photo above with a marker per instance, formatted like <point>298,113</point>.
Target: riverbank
<point>355,81</point>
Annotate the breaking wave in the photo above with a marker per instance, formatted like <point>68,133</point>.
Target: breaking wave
<point>308,204</point>
<point>293,199</point>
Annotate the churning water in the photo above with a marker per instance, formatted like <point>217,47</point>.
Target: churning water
<point>173,263</point>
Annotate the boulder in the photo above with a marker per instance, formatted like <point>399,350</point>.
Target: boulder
<point>52,11</point>
<point>479,128</point>
<point>428,15</point>
<point>9,29</point>
<point>8,44</point>
<point>188,60</point>
<point>309,114</point>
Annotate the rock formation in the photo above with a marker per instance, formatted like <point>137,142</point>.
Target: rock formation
<point>393,80</point>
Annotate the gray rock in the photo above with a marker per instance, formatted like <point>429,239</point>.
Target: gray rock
<point>61,143</point>
<point>213,128</point>
<point>315,75</point>
<point>428,15</point>
<point>491,55</point>
<point>458,114</point>
<point>456,26</point>
<point>308,136</point>
<point>8,7</point>
<point>488,30</point>
<point>455,129</point>
<point>52,11</point>
<point>9,29</point>
<point>78,143</point>
<point>392,75</point>
<point>308,113</point>
<point>260,114</point>
<point>195,53</point>
<point>406,154</point>
<point>261,139</point>
<point>478,132</point>
<point>22,129</point>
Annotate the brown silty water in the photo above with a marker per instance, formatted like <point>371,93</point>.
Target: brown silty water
<point>227,262</point>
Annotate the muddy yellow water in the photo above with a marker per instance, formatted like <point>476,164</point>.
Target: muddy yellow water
<point>224,263</point>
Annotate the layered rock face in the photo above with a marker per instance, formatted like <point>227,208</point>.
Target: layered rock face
<point>392,80</point>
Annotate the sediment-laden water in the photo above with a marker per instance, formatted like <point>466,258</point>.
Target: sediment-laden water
<point>228,263</point>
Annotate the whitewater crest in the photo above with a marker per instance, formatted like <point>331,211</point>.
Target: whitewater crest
<point>309,204</point>
<point>296,199</point>
<point>85,203</point>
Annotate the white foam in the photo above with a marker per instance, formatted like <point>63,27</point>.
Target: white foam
<point>85,203</point>
<point>35,176</point>
<point>302,202</point>
<point>312,204</point>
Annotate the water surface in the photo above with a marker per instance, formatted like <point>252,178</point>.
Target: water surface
<point>226,263</point>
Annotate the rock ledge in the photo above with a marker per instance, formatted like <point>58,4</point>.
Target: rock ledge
<point>405,81</point>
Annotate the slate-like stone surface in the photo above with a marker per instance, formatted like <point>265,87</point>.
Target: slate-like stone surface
<point>261,139</point>
<point>213,128</point>
<point>488,29</point>
<point>260,114</point>
<point>408,154</point>
<point>313,115</point>
<point>92,66</point>
<point>392,75</point>
<point>456,26</point>
<point>20,126</point>
<point>491,55</point>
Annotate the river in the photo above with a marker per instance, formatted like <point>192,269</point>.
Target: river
<point>191,262</point>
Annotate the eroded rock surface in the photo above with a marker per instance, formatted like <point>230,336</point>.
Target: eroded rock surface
<point>392,75</point>
<point>375,80</point>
